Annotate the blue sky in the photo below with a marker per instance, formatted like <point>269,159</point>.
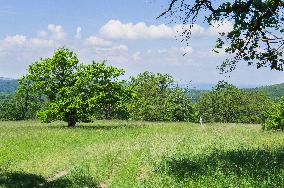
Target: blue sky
<point>124,32</point>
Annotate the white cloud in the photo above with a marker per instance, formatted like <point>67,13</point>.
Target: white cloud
<point>115,29</point>
<point>96,41</point>
<point>42,42</point>
<point>24,41</point>
<point>114,54</point>
<point>221,27</point>
<point>78,33</point>
<point>18,51</point>
<point>57,31</point>
<point>186,50</point>
<point>15,40</point>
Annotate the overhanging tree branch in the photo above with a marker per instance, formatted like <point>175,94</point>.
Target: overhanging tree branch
<point>256,25</point>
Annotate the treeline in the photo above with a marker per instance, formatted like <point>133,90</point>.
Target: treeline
<point>60,88</point>
<point>273,91</point>
<point>276,91</point>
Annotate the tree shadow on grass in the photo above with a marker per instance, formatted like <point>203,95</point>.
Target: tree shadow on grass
<point>26,180</point>
<point>258,166</point>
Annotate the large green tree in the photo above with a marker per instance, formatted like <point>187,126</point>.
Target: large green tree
<point>159,99</point>
<point>257,34</point>
<point>73,91</point>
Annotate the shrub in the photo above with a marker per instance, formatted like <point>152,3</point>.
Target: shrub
<point>17,107</point>
<point>275,117</point>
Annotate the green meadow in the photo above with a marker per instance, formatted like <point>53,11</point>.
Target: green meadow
<point>139,154</point>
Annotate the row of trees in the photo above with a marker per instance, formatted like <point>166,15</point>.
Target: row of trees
<point>226,103</point>
<point>60,88</point>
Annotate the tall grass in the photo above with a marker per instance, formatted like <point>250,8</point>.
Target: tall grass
<point>139,154</point>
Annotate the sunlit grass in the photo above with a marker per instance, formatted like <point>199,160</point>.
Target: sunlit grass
<point>140,154</point>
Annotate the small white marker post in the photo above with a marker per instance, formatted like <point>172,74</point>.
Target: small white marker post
<point>201,121</point>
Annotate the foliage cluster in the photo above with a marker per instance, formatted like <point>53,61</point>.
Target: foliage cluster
<point>275,117</point>
<point>228,104</point>
<point>158,98</point>
<point>19,106</point>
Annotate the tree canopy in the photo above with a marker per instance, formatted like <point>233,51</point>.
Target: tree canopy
<point>257,34</point>
<point>73,91</point>
<point>228,104</point>
<point>158,98</point>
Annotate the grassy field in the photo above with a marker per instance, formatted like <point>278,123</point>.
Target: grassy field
<point>139,154</point>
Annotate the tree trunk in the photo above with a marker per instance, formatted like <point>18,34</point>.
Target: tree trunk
<point>71,123</point>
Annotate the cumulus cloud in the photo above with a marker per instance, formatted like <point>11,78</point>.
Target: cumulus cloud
<point>18,51</point>
<point>57,31</point>
<point>115,29</point>
<point>22,49</point>
<point>24,41</point>
<point>15,40</point>
<point>96,41</point>
<point>78,33</point>
<point>42,42</point>
<point>114,54</point>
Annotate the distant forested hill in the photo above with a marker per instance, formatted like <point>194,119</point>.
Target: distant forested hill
<point>8,85</point>
<point>273,91</point>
